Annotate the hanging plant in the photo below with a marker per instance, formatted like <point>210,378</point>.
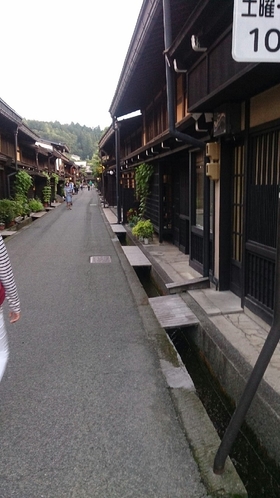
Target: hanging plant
<point>47,192</point>
<point>47,177</point>
<point>143,175</point>
<point>23,182</point>
<point>55,177</point>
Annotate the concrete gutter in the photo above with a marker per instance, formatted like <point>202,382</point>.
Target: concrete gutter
<point>231,339</point>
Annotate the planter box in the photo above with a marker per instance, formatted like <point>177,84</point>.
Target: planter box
<point>24,223</point>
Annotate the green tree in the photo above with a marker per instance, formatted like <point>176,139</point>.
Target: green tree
<point>96,166</point>
<point>81,140</point>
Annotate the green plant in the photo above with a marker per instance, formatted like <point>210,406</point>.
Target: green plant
<point>7,210</point>
<point>35,205</point>
<point>23,182</point>
<point>47,192</point>
<point>21,205</point>
<point>47,176</point>
<point>144,228</point>
<point>132,217</point>
<point>143,175</point>
<point>55,177</point>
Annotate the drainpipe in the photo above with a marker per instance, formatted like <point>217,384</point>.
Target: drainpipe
<point>170,83</point>
<point>206,224</point>
<point>8,182</point>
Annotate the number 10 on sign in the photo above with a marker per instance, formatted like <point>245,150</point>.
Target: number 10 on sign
<point>256,31</point>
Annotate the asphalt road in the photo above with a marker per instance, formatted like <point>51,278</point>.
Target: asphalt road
<point>84,408</point>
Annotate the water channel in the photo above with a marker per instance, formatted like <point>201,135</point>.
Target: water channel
<point>258,472</point>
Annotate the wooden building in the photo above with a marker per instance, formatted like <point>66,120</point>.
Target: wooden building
<point>22,149</point>
<point>210,126</point>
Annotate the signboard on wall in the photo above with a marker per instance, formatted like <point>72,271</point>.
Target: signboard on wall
<point>256,31</point>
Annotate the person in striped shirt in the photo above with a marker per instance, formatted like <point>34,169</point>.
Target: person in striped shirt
<point>8,282</point>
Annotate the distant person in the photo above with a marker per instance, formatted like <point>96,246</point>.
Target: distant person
<point>8,289</point>
<point>81,187</point>
<point>88,187</point>
<point>68,195</point>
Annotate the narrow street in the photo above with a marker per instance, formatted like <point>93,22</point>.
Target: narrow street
<point>84,408</point>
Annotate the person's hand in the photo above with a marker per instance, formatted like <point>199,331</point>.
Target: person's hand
<point>14,316</point>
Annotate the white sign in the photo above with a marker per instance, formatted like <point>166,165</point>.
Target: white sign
<point>256,31</point>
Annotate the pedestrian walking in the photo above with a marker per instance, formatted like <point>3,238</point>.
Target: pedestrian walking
<point>68,194</point>
<point>8,289</point>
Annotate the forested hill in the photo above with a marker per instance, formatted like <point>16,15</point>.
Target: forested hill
<point>81,140</point>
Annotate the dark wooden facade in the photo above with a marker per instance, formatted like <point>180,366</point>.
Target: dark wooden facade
<point>226,223</point>
<point>22,149</point>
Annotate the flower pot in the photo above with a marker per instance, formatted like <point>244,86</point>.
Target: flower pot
<point>146,240</point>
<point>2,226</point>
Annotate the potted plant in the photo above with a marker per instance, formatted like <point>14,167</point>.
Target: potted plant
<point>7,211</point>
<point>132,217</point>
<point>143,230</point>
<point>2,225</point>
<point>148,230</point>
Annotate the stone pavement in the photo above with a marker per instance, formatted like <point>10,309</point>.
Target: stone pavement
<point>230,338</point>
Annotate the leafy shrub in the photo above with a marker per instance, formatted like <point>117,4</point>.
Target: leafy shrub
<point>8,210</point>
<point>35,205</point>
<point>143,229</point>
<point>21,205</point>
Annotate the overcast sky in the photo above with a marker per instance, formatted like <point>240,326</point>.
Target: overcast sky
<point>61,60</point>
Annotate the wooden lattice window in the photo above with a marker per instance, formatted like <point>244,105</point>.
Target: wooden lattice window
<point>264,179</point>
<point>266,158</point>
<point>238,203</point>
